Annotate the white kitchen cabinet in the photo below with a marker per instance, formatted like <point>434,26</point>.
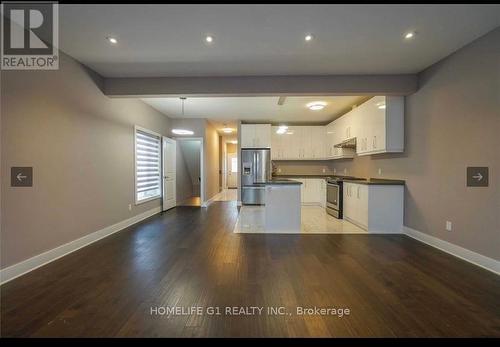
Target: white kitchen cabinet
<point>263,135</point>
<point>317,143</point>
<point>255,135</point>
<point>333,152</point>
<point>312,191</point>
<point>383,125</point>
<point>299,143</point>
<point>345,127</point>
<point>375,208</point>
<point>322,193</point>
<point>277,144</point>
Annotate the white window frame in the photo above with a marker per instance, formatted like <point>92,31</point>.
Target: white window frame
<point>138,202</point>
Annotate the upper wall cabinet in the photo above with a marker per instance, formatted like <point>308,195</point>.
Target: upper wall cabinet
<point>332,138</point>
<point>382,130</point>
<point>376,125</point>
<point>255,135</point>
<point>299,143</point>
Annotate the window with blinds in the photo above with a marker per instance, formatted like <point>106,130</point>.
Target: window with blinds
<point>147,165</point>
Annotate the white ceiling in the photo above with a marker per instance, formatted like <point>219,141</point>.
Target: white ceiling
<point>168,40</point>
<point>227,110</point>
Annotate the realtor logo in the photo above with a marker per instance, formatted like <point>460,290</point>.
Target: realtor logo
<point>30,36</point>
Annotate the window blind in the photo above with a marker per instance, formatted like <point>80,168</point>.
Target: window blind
<point>147,165</point>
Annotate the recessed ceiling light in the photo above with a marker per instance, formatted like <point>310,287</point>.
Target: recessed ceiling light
<point>308,37</point>
<point>227,130</point>
<point>381,105</point>
<point>234,142</point>
<point>182,132</point>
<point>112,40</point>
<point>409,35</point>
<point>316,105</point>
<point>209,39</point>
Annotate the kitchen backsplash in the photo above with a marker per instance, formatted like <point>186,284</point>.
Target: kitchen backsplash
<point>302,168</point>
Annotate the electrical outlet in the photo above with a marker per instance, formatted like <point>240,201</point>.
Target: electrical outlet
<point>324,170</point>
<point>379,171</point>
<point>345,171</point>
<point>448,225</point>
<point>130,207</point>
<point>334,171</point>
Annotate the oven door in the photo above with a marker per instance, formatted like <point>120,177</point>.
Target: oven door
<point>333,199</point>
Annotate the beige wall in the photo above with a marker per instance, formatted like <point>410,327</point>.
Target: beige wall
<point>211,162</point>
<point>293,167</point>
<point>452,122</point>
<point>231,148</point>
<point>81,146</point>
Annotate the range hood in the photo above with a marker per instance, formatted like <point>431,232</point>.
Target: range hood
<point>350,143</point>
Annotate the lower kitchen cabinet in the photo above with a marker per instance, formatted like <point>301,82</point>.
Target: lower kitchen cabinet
<point>312,191</point>
<point>375,208</point>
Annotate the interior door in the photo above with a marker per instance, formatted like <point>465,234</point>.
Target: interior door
<point>232,170</point>
<point>169,172</point>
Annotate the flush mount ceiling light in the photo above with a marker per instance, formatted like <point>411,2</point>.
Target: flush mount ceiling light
<point>409,35</point>
<point>182,132</point>
<point>381,105</point>
<point>112,40</point>
<point>316,105</point>
<point>234,142</point>
<point>308,37</point>
<point>281,129</point>
<point>209,39</point>
<point>226,129</point>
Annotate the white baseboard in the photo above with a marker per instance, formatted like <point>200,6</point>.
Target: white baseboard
<point>457,251</point>
<point>21,268</point>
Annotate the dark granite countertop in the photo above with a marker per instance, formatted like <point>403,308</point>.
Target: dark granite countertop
<point>301,176</point>
<point>282,181</point>
<point>377,181</point>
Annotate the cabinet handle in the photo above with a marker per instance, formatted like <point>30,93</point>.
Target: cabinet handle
<point>375,142</point>
<point>358,193</point>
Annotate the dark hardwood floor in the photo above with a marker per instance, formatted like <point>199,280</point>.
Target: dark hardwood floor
<point>392,285</point>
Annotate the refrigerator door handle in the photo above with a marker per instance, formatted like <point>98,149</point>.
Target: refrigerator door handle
<point>254,169</point>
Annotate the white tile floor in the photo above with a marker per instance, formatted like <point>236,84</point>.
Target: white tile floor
<point>227,195</point>
<point>315,220</point>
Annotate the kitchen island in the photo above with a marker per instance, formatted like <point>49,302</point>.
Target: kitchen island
<point>283,208</point>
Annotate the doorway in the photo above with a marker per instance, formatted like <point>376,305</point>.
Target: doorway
<point>169,173</point>
<point>229,172</point>
<point>232,170</point>
<point>189,180</point>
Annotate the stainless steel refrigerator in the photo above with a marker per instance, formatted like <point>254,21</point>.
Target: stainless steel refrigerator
<point>255,172</point>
